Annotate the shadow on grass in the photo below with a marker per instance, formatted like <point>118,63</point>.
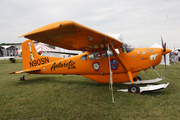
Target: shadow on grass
<point>155,93</point>
<point>42,80</point>
<point>88,82</point>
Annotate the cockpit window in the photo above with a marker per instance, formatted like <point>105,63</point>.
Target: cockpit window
<point>94,55</point>
<point>126,49</point>
<point>84,57</point>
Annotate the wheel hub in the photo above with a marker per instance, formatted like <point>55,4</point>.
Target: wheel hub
<point>133,89</point>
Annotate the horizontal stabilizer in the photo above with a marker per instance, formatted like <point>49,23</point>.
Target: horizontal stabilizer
<point>145,81</point>
<point>25,71</point>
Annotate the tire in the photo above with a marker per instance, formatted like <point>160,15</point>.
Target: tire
<point>133,88</point>
<point>137,78</point>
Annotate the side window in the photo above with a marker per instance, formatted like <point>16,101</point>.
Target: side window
<point>117,51</point>
<point>94,56</point>
<point>104,54</point>
<point>84,57</point>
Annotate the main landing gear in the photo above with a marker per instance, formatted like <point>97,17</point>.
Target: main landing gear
<point>134,88</point>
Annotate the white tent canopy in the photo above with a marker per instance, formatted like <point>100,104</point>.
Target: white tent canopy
<point>156,45</point>
<point>40,48</point>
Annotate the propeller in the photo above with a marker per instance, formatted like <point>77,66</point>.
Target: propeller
<point>164,49</point>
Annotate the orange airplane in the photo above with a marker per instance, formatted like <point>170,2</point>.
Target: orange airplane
<point>106,60</point>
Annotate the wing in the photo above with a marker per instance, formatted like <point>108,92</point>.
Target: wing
<point>72,36</point>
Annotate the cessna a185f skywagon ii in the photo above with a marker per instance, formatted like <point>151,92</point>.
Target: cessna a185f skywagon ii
<point>106,60</point>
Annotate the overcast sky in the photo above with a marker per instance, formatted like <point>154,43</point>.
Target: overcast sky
<point>141,22</point>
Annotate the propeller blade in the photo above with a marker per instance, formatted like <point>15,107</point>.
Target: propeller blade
<point>164,47</point>
<point>162,42</point>
<point>165,62</point>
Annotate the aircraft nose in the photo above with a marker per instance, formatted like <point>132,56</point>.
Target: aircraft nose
<point>166,51</point>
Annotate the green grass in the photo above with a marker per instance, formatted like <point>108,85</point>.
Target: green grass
<point>75,97</point>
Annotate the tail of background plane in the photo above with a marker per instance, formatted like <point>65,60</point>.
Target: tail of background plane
<point>31,58</point>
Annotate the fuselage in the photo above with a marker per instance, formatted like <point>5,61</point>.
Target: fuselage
<point>95,65</point>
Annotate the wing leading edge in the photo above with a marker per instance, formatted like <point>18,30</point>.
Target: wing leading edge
<point>72,36</point>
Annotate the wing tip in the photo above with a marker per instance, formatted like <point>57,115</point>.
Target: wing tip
<point>50,27</point>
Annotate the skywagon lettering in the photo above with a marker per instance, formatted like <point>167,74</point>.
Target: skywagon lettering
<point>69,65</point>
<point>39,62</point>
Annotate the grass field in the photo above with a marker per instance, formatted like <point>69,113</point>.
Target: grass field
<point>75,97</point>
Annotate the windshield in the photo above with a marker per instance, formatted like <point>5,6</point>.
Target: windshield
<point>126,48</point>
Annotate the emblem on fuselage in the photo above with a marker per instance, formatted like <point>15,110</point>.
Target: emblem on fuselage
<point>153,57</point>
<point>143,52</point>
<point>114,64</point>
<point>151,51</point>
<point>96,66</point>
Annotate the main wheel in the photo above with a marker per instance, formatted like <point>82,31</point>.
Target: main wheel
<point>133,88</point>
<point>137,78</point>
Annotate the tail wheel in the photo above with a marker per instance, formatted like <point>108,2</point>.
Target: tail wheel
<point>22,78</point>
<point>133,88</point>
<point>137,78</point>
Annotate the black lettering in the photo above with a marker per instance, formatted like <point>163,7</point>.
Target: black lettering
<point>38,62</point>
<point>42,61</point>
<point>34,63</point>
<point>46,59</point>
<point>31,64</point>
<point>53,66</point>
<point>69,65</point>
<point>59,64</point>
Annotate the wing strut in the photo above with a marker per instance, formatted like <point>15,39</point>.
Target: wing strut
<point>111,80</point>
<point>125,66</point>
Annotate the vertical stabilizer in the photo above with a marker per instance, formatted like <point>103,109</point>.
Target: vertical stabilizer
<point>31,58</point>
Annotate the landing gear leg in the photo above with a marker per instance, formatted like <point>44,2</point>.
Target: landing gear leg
<point>133,88</point>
